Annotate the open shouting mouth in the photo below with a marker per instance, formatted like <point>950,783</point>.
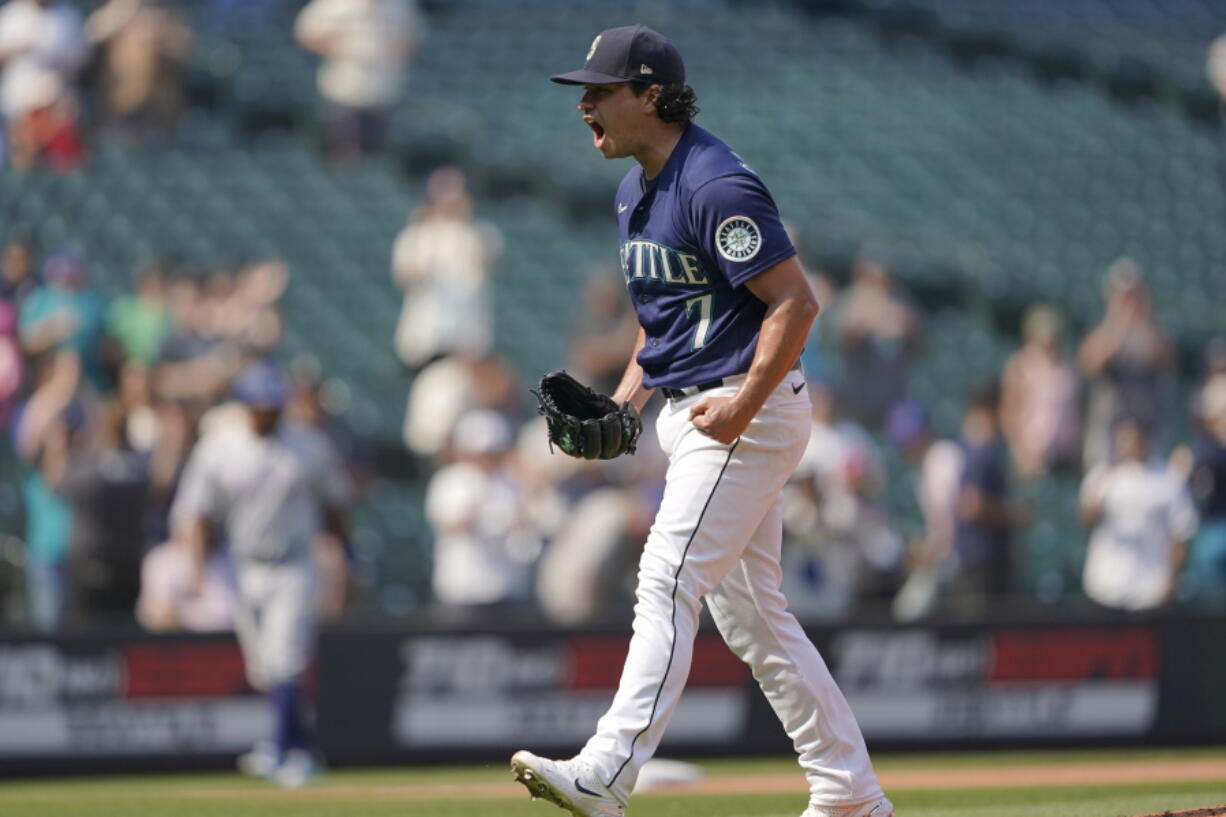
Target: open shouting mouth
<point>598,134</point>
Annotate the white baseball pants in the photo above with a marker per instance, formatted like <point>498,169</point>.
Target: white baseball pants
<point>718,535</point>
<point>274,619</point>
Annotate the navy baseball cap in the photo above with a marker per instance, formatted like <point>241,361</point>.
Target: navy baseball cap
<point>629,53</point>
<point>261,385</point>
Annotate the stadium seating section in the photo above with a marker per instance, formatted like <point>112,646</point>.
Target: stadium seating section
<point>993,180</point>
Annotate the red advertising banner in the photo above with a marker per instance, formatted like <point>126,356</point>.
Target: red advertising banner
<point>474,691</point>
<point>1052,682</point>
<point>85,698</point>
<point>392,695</point>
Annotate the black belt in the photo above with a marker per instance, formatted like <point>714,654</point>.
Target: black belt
<point>690,391</point>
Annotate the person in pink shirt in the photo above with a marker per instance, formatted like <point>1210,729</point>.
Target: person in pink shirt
<point>1039,398</point>
<point>12,364</point>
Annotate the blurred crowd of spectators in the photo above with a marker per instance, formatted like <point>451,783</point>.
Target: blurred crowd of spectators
<point>102,399</point>
<point>516,525</point>
<point>133,53</point>
<point>101,402</point>
<point>1104,411</point>
<point>119,73</point>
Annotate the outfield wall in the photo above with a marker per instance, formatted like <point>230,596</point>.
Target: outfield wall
<point>398,696</point>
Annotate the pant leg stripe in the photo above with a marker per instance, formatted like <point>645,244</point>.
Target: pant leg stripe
<point>676,585</point>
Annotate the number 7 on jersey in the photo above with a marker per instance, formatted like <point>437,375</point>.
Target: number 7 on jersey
<point>703,302</point>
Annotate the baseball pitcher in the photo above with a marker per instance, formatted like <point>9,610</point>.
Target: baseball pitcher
<point>724,308</point>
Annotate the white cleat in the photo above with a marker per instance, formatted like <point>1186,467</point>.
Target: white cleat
<point>873,808</point>
<point>299,768</point>
<point>568,784</point>
<point>261,761</point>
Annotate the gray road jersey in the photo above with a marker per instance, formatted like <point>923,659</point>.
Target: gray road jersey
<point>268,493</point>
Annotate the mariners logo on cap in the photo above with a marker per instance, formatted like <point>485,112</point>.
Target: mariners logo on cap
<point>592,50</point>
<point>738,238</point>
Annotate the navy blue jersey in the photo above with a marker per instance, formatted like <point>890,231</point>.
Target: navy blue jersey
<point>689,242</point>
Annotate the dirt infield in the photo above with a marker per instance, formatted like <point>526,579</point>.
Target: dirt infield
<point>1187,770</point>
<point>992,777</point>
<point>1196,812</point>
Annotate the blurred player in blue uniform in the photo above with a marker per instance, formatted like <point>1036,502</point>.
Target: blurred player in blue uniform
<point>267,488</point>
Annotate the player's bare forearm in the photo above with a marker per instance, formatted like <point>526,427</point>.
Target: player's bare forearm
<point>791,308</point>
<point>631,388</point>
<point>193,537</point>
<point>1179,552</point>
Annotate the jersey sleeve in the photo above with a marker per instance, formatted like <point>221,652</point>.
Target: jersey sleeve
<point>738,227</point>
<point>199,495</point>
<point>329,479</point>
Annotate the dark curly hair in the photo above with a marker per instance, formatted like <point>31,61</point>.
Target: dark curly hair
<point>674,103</point>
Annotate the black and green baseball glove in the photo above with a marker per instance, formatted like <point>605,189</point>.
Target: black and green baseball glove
<point>584,423</point>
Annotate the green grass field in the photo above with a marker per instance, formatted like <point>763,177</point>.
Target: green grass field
<point>485,791</point>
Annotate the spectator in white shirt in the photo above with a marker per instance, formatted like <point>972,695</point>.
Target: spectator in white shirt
<point>170,600</point>
<point>366,46</point>
<point>1143,519</point>
<point>42,46</point>
<point>443,260</point>
<point>483,555</point>
<point>1216,66</point>
<point>938,486</point>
